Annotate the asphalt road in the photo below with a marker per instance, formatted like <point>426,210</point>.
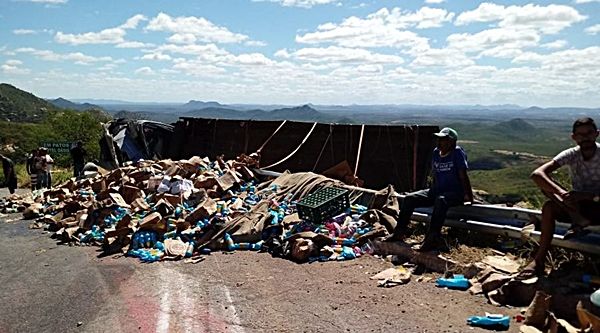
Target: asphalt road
<point>47,287</point>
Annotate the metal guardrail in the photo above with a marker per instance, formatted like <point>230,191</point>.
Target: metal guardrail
<point>498,220</point>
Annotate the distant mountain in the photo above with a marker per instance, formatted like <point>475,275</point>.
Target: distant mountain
<point>140,115</point>
<point>21,106</point>
<point>66,104</point>
<point>101,101</point>
<point>300,113</point>
<point>304,112</point>
<point>515,127</point>
<point>197,105</point>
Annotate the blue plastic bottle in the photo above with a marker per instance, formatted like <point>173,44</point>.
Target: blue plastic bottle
<point>489,321</point>
<point>229,242</point>
<point>190,249</point>
<point>456,282</point>
<point>343,241</point>
<point>347,254</point>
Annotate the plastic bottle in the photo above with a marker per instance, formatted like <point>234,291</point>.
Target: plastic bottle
<point>343,241</point>
<point>134,242</point>
<point>178,211</point>
<point>456,282</point>
<point>490,321</point>
<point>347,254</point>
<point>229,242</point>
<point>595,298</point>
<point>368,248</point>
<point>190,249</point>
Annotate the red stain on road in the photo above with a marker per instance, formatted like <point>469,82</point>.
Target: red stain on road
<point>141,311</point>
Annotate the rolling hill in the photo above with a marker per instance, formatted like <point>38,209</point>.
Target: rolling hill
<point>66,104</point>
<point>17,105</point>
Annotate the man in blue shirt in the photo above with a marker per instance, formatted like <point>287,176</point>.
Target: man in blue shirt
<point>451,187</point>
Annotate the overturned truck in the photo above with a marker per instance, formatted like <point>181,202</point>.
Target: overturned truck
<point>377,155</point>
<point>133,140</point>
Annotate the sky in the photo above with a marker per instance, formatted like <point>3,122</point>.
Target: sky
<point>430,52</point>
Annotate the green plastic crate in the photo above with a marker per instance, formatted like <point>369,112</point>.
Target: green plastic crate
<point>323,204</point>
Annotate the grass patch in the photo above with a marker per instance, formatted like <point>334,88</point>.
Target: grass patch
<point>513,185</point>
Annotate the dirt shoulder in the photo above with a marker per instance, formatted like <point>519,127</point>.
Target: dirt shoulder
<point>52,287</point>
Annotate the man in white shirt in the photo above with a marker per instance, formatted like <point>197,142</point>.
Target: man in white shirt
<point>44,164</point>
<point>581,205</point>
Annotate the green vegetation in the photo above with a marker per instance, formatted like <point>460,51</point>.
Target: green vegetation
<point>27,121</point>
<point>18,139</point>
<point>503,155</point>
<point>20,106</point>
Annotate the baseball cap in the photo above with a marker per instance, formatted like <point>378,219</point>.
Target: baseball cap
<point>447,132</point>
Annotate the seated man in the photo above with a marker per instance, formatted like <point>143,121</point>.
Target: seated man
<point>451,187</point>
<point>581,206</point>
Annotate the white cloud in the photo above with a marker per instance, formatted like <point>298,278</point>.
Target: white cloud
<point>8,69</point>
<point>586,1</point>
<point>133,21</point>
<point>435,1</point>
<point>549,19</point>
<point>106,67</point>
<point>442,58</point>
<point>200,69</point>
<point>12,66</point>
<point>283,53</point>
<point>504,38</point>
<point>208,51</point>
<point>249,59</point>
<point>298,3</point>
<point>77,57</point>
<point>339,54</point>
<point>107,36</point>
<point>383,28</point>
<point>557,44</point>
<point>255,43</point>
<point>200,28</point>
<point>583,60</point>
<point>185,38</point>
<point>144,71</point>
<point>24,32</point>
<point>53,2</point>
<point>156,56</point>
<point>593,30</point>
<point>133,45</point>
<point>370,69</point>
<point>425,17</point>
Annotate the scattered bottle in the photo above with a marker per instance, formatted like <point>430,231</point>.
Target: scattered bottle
<point>595,298</point>
<point>229,242</point>
<point>492,321</point>
<point>456,282</point>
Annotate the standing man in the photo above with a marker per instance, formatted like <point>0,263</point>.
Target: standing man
<point>45,168</point>
<point>451,187</point>
<point>10,178</point>
<point>78,154</point>
<point>31,168</point>
<point>580,206</point>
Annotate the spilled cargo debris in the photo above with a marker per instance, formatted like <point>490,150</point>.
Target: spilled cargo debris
<point>182,209</point>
